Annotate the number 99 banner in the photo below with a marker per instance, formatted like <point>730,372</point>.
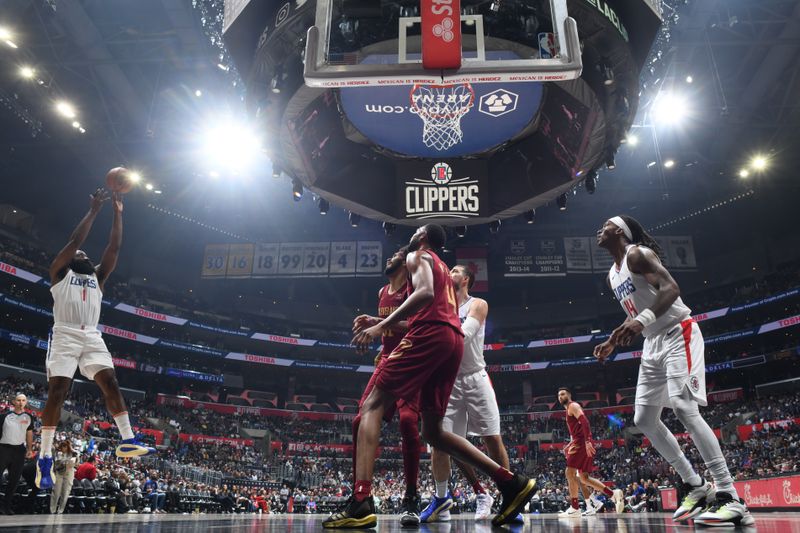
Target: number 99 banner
<point>301,259</point>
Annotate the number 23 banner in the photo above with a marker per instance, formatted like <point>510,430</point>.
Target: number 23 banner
<point>299,259</point>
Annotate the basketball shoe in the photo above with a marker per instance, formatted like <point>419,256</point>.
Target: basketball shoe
<point>44,472</point>
<point>410,514</point>
<point>353,515</point>
<point>570,512</point>
<point>725,512</point>
<point>694,501</point>
<point>133,448</point>
<point>438,510</point>
<point>484,504</point>
<point>516,492</point>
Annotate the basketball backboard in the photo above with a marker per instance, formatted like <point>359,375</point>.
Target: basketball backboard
<point>369,42</point>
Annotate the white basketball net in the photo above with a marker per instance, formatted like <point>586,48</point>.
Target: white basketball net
<point>441,107</point>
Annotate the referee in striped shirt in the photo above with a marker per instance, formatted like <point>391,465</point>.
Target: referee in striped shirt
<point>16,436</point>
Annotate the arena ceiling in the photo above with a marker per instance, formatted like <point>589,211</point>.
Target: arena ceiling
<point>132,71</point>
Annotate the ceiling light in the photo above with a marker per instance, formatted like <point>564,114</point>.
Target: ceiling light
<point>354,218</point>
<point>198,93</point>
<point>76,124</point>
<point>157,191</point>
<point>744,173</point>
<point>562,202</point>
<point>669,163</point>
<point>633,140</point>
<point>651,164</point>
<point>324,206</point>
<point>27,72</point>
<point>669,108</point>
<point>297,190</point>
<point>4,33</point>
<point>759,162</point>
<point>149,186</point>
<point>66,109</point>
<point>136,177</point>
<point>689,79</point>
<point>12,44</point>
<point>82,130</point>
<point>530,216</point>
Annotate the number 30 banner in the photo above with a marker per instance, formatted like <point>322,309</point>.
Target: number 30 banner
<point>293,259</point>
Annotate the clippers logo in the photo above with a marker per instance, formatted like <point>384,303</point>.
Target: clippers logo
<point>694,383</point>
<point>441,173</point>
<point>442,196</point>
<point>444,30</point>
<point>497,103</point>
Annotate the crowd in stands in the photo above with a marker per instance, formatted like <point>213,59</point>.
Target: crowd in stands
<point>212,476</point>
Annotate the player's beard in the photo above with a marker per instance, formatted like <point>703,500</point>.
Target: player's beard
<point>392,268</point>
<point>82,266</point>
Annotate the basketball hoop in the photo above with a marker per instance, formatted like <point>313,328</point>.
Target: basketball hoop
<point>441,107</point>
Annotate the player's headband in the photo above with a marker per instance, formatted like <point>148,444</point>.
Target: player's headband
<point>617,221</point>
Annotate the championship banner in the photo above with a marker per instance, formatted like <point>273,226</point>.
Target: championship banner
<point>475,261</point>
<point>578,251</point>
<point>601,259</point>
<point>680,251</point>
<point>535,258</point>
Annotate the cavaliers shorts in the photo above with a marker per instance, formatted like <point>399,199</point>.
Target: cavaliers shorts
<point>577,457</point>
<point>424,364</point>
<point>71,348</point>
<point>399,405</point>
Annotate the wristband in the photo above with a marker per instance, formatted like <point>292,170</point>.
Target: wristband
<point>646,317</point>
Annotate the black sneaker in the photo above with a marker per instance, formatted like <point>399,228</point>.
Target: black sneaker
<point>409,517</point>
<point>516,493</point>
<point>353,515</point>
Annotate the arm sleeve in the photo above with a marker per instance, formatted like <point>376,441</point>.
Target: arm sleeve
<point>470,327</point>
<point>586,428</point>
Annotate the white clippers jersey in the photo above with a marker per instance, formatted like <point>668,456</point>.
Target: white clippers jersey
<point>635,295</point>
<point>473,360</point>
<point>76,300</point>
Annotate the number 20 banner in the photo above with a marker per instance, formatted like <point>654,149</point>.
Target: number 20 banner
<point>298,259</point>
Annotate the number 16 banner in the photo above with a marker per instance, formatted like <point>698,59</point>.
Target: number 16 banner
<point>475,260</point>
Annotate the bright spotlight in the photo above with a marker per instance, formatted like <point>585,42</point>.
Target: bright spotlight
<point>669,163</point>
<point>198,93</point>
<point>213,174</point>
<point>12,44</point>
<point>157,191</point>
<point>297,190</point>
<point>149,186</point>
<point>136,177</point>
<point>689,79</point>
<point>82,130</point>
<point>4,33</point>
<point>66,109</point>
<point>759,162</point>
<point>744,173</point>
<point>76,124</point>
<point>231,146</point>
<point>633,140</point>
<point>27,72</point>
<point>669,108</point>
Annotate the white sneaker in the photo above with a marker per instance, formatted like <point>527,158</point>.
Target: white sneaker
<point>694,501</point>
<point>444,516</point>
<point>569,513</point>
<point>590,510</point>
<point>725,512</point>
<point>484,507</point>
<point>594,502</point>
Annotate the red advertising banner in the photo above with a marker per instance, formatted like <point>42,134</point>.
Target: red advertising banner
<point>188,403</point>
<point>219,440</point>
<point>726,396</point>
<point>745,432</point>
<point>774,493</point>
<point>158,435</point>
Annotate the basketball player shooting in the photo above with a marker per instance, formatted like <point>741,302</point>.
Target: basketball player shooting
<point>472,408</point>
<point>390,297</point>
<point>580,454</point>
<point>75,342</point>
<point>425,363</point>
<point>671,372</point>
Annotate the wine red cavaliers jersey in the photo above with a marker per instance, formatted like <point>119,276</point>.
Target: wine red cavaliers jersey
<point>573,426</point>
<point>387,304</point>
<point>443,309</point>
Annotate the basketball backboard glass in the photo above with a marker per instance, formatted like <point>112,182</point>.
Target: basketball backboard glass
<point>369,42</point>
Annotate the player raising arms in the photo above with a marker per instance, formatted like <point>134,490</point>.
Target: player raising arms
<point>425,363</point>
<point>390,297</point>
<point>75,342</point>
<point>671,372</point>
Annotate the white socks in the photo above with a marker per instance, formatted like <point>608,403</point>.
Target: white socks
<point>48,433</point>
<point>124,425</point>
<point>441,488</point>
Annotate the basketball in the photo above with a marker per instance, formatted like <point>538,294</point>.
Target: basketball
<point>120,179</point>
